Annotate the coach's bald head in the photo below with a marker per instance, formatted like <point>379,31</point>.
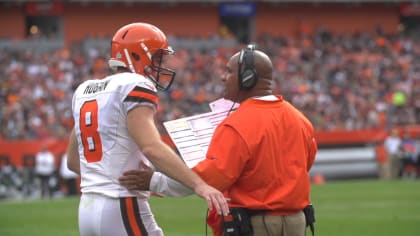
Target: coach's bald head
<point>264,70</point>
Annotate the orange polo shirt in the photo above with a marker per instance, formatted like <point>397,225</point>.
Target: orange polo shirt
<point>260,156</point>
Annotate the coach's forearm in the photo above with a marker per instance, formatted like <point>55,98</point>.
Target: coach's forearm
<point>163,185</point>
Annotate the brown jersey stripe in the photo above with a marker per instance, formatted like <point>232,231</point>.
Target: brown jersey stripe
<point>143,89</point>
<point>140,95</point>
<point>131,217</point>
<point>139,100</point>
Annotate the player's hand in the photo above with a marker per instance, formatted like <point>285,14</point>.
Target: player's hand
<point>214,198</point>
<point>137,179</point>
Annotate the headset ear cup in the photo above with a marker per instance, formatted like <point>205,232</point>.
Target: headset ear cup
<point>248,79</point>
<point>247,73</point>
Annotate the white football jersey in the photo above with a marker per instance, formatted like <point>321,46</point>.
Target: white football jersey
<point>106,150</point>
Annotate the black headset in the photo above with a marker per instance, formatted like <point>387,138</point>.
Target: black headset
<point>247,75</point>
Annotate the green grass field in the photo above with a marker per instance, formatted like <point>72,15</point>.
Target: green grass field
<point>344,208</point>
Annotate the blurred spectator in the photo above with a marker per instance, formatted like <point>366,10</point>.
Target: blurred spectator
<point>392,145</point>
<point>44,169</point>
<point>10,181</point>
<point>408,156</point>
<point>69,177</point>
<point>417,159</point>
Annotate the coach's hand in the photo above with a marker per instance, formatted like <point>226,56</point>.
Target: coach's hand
<point>214,198</point>
<point>137,179</point>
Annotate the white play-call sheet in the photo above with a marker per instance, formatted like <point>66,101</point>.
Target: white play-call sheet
<point>192,135</point>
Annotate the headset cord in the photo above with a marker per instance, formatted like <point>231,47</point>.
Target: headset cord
<point>205,220</point>
<point>233,104</point>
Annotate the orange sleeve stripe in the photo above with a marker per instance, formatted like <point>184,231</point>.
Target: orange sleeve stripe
<point>132,218</point>
<point>144,95</point>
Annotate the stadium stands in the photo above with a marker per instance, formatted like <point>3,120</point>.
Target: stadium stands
<point>341,82</point>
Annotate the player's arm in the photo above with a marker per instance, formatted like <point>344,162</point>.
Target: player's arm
<point>73,159</point>
<point>147,179</point>
<point>141,126</point>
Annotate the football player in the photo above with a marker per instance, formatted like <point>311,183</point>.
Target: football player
<point>114,131</point>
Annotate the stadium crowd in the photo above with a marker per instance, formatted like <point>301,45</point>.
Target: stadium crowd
<point>340,81</point>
